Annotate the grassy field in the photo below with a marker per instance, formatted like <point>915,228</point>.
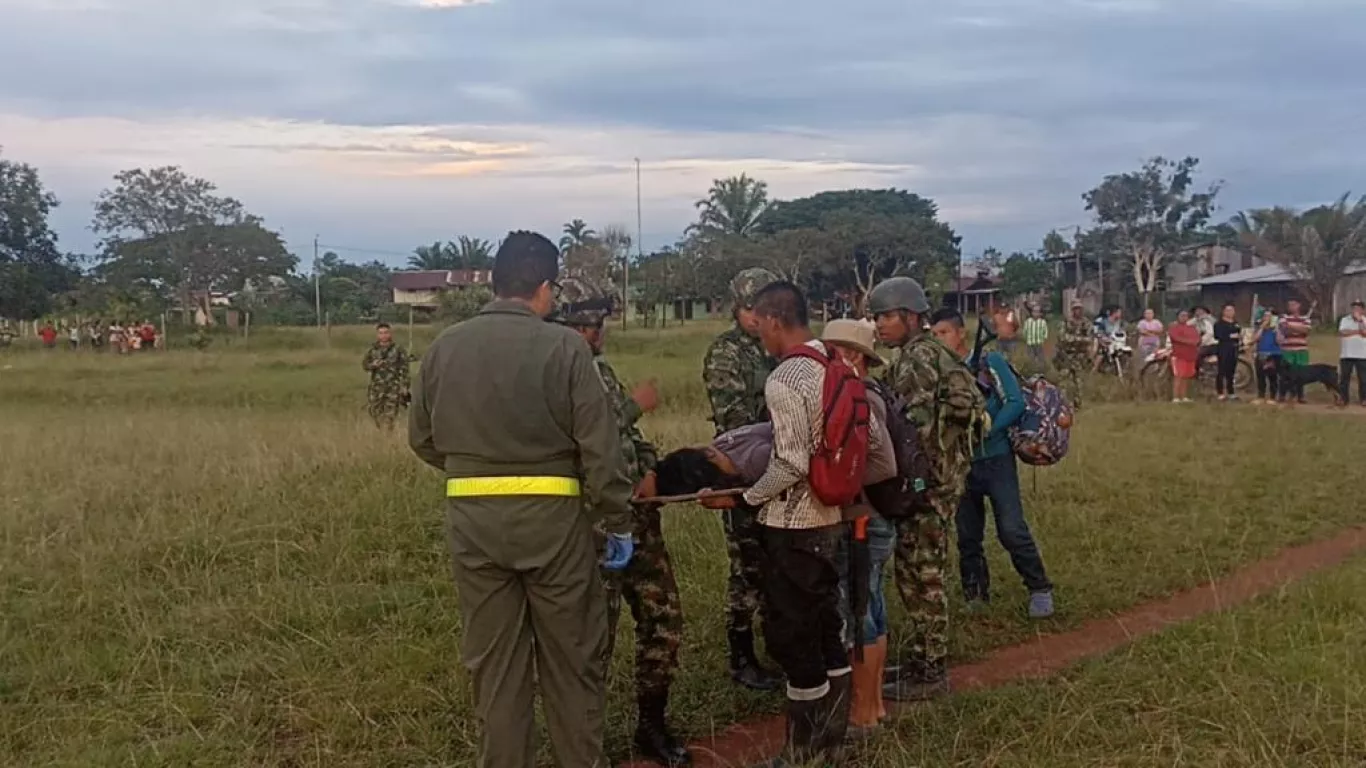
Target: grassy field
<point>214,559</point>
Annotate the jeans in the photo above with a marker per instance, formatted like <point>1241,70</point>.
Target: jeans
<point>1036,354</point>
<point>881,540</point>
<point>802,623</point>
<point>1345,367</point>
<point>996,478</point>
<point>1268,380</point>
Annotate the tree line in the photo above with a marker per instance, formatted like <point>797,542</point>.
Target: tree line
<point>170,239</point>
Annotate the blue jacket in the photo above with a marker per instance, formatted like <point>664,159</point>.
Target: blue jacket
<point>1005,404</point>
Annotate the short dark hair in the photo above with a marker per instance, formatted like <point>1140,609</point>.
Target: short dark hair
<point>947,315</point>
<point>784,302</point>
<point>1359,303</point>
<point>688,470</point>
<point>525,260</point>
<point>382,327</point>
<point>1199,307</point>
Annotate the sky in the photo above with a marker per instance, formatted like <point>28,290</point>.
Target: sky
<point>380,125</point>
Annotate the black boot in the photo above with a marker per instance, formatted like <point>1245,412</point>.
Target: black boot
<point>834,723</point>
<point>745,668</point>
<point>804,720</point>
<point>919,682</point>
<point>654,741</point>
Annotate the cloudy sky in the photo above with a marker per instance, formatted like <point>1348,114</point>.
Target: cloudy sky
<point>383,124</point>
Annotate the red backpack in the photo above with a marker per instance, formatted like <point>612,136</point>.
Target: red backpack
<point>838,465</point>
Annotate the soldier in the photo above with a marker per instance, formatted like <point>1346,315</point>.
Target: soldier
<point>512,411</point>
<point>387,364</point>
<point>648,583</point>
<point>1075,346</point>
<point>947,407</point>
<point>734,372</point>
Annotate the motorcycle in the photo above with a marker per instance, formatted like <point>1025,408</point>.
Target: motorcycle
<point>1116,355</point>
<point>1156,374</point>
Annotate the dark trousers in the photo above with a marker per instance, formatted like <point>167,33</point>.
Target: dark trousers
<point>802,622</point>
<point>1345,367</point>
<point>1268,381</point>
<point>1228,366</point>
<point>996,478</point>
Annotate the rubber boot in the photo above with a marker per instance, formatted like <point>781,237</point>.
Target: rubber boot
<point>653,739</point>
<point>867,709</point>
<point>745,668</point>
<point>803,726</point>
<point>834,719</point>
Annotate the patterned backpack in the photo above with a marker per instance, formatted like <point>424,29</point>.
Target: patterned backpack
<point>1041,436</point>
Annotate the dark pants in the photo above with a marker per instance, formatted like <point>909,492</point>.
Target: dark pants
<point>1228,366</point>
<point>1268,380</point>
<point>996,478</point>
<point>802,622</point>
<point>1345,367</point>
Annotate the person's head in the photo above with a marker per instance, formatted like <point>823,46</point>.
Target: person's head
<point>525,269</point>
<point>383,333</point>
<point>1077,311</point>
<point>897,304</point>
<point>947,325</point>
<point>1184,316</point>
<point>590,322</point>
<point>1036,311</point>
<point>853,340</point>
<point>744,287</point>
<point>1148,314</point>
<point>1228,313</point>
<point>1293,306</point>
<point>781,317</point>
<point>1115,314</point>
<point>1358,309</point>
<point>689,470</point>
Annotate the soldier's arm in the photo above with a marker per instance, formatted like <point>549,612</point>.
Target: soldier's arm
<point>420,418</point>
<point>404,371</point>
<point>630,414</point>
<point>960,397</point>
<point>726,387</point>
<point>594,430</point>
<point>365,362</point>
<point>918,382</point>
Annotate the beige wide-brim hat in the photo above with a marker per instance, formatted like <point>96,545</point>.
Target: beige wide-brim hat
<point>858,335</point>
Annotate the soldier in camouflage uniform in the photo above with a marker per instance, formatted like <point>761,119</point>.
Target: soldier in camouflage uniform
<point>948,409</point>
<point>387,364</point>
<point>734,372</point>
<point>1076,347</point>
<point>647,583</point>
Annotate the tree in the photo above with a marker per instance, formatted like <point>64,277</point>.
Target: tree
<point>1151,214</point>
<point>472,253</point>
<point>463,303</point>
<point>1022,274</point>
<point>1318,245</point>
<point>167,230</point>
<point>732,206</point>
<point>577,234</point>
<point>431,258</point>
<point>32,270</point>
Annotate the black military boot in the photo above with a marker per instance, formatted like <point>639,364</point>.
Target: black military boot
<point>918,682</point>
<point>834,723</point>
<point>654,741</point>
<point>745,668</point>
<point>804,719</point>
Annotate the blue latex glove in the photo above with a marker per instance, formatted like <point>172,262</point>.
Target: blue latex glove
<point>620,547</point>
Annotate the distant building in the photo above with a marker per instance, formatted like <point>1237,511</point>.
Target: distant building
<point>974,292</point>
<point>1208,261</point>
<point>424,288</point>
<point>1274,285</point>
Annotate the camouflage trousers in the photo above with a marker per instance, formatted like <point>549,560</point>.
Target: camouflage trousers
<point>649,588</point>
<point>1070,366</point>
<point>922,559</point>
<point>745,549</point>
<point>384,405</point>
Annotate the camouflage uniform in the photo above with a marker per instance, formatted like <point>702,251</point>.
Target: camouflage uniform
<point>734,372</point>
<point>647,583</point>
<point>387,365</point>
<point>1074,354</point>
<point>944,401</point>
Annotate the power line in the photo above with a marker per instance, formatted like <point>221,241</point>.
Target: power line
<point>373,251</point>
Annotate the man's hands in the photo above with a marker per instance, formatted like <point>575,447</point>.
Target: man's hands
<point>648,486</point>
<point>646,396</point>
<point>716,502</point>
<point>620,548</point>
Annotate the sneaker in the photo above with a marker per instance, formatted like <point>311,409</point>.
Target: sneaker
<point>1040,605</point>
<point>1221,398</point>
<point>1233,398</point>
<point>1176,401</point>
<point>1259,401</point>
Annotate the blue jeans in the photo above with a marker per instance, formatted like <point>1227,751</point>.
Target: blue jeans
<point>996,478</point>
<point>881,540</point>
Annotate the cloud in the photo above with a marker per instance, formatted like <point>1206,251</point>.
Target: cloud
<point>395,121</point>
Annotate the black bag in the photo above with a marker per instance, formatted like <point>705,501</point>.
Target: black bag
<point>907,493</point>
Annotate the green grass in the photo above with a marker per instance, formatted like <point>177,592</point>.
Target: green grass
<point>214,559</point>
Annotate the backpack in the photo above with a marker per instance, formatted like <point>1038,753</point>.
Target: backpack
<point>839,462</point>
<point>1040,438</point>
<point>901,496</point>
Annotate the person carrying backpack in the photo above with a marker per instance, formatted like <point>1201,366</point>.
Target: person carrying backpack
<point>994,475</point>
<point>821,438</point>
<point>943,400</point>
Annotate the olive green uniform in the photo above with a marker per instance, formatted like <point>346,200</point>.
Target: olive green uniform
<point>511,409</point>
<point>1074,354</point>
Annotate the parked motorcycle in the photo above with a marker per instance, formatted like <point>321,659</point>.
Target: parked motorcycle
<point>1117,355</point>
<point>1156,374</point>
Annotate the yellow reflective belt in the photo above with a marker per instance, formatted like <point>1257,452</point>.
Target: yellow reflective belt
<point>457,487</point>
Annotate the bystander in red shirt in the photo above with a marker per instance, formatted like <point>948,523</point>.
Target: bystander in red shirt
<point>1185,341</point>
<point>49,335</point>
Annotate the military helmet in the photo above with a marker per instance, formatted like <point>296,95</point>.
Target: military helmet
<point>582,302</point>
<point>744,286</point>
<point>898,293</point>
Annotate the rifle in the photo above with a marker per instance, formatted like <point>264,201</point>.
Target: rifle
<point>606,305</point>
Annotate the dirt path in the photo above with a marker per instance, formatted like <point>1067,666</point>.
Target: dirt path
<point>750,742</point>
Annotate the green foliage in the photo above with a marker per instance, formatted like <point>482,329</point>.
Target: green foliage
<point>1318,245</point>
<point>1023,274</point>
<point>463,303</point>
<point>31,268</point>
<point>733,206</point>
<point>462,253</point>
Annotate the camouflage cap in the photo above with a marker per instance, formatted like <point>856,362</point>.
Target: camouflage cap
<point>576,292</point>
<point>749,282</point>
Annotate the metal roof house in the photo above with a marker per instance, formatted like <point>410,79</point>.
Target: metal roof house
<point>424,288</point>
<point>1273,285</point>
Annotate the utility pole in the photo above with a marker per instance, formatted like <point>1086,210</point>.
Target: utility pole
<point>626,258</point>
<point>317,288</point>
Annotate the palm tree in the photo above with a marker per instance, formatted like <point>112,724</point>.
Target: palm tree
<point>472,252</point>
<point>732,206</point>
<point>431,257</point>
<point>577,234</point>
<point>1318,245</point>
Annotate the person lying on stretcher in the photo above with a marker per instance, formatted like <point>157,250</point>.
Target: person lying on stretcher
<point>735,459</point>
